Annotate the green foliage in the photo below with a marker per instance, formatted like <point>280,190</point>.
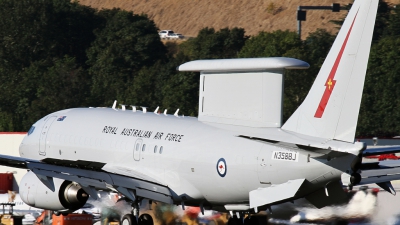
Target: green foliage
<point>34,34</point>
<point>381,21</point>
<point>181,89</point>
<point>380,107</point>
<point>125,44</point>
<point>393,28</point>
<point>298,82</point>
<point>210,44</point>
<point>34,30</point>
<point>274,44</point>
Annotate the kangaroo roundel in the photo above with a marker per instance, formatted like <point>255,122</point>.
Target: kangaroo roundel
<point>221,167</point>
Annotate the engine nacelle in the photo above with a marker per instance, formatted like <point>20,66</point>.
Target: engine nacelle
<point>67,195</point>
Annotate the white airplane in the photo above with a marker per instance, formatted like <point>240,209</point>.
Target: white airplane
<point>235,157</point>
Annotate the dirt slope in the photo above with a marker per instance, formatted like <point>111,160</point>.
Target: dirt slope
<point>189,16</point>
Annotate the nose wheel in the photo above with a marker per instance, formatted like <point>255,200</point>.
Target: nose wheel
<point>355,179</point>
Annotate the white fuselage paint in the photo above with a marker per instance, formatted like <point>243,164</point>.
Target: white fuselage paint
<point>188,162</point>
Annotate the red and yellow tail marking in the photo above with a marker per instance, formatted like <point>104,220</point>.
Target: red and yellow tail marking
<point>330,82</point>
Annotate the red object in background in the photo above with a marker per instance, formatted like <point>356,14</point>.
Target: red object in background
<point>388,157</point>
<point>192,212</point>
<point>73,219</point>
<point>6,182</point>
<point>384,157</point>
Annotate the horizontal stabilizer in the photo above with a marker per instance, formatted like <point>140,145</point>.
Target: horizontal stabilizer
<point>381,150</point>
<point>387,186</point>
<point>275,193</point>
<point>381,173</point>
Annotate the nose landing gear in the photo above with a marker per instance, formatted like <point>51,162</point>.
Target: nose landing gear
<point>355,179</point>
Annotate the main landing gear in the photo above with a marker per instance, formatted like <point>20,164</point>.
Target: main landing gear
<point>144,219</point>
<point>134,218</point>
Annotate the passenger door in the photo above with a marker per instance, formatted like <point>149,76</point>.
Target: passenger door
<point>43,135</point>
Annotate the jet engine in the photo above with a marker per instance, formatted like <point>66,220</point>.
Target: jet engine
<point>66,196</point>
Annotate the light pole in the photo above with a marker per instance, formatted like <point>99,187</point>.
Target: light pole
<point>301,14</point>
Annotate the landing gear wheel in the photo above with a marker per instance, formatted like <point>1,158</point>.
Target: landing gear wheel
<point>145,219</point>
<point>355,178</point>
<point>128,219</point>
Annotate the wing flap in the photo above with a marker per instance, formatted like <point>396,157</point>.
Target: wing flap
<point>381,172</point>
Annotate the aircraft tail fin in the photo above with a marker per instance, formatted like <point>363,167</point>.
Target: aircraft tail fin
<point>331,108</point>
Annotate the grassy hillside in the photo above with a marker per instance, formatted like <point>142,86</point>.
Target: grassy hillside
<point>189,16</point>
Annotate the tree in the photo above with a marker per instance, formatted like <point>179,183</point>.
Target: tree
<point>34,30</point>
<point>36,34</point>
<point>298,82</point>
<point>393,28</point>
<point>270,44</point>
<point>61,85</point>
<point>125,44</point>
<point>211,44</point>
<point>380,106</point>
<point>181,89</point>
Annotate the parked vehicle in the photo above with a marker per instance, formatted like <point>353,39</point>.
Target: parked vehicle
<point>165,33</point>
<point>180,36</point>
<point>172,36</point>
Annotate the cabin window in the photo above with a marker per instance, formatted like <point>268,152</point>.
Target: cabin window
<point>137,146</point>
<point>161,149</point>
<point>30,131</point>
<point>143,147</point>
<point>155,149</point>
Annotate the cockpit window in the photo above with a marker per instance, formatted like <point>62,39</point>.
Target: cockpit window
<point>30,131</point>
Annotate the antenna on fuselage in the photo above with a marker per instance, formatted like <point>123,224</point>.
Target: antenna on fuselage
<point>165,112</point>
<point>114,105</point>
<point>133,108</point>
<point>144,109</point>
<point>156,111</point>
<point>123,107</point>
<point>176,113</point>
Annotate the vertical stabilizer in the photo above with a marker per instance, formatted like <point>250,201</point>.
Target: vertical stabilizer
<point>331,108</point>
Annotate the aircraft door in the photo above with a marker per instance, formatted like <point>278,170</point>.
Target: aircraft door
<point>43,135</point>
<point>265,168</point>
<point>137,149</point>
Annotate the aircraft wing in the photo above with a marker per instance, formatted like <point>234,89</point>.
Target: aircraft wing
<point>381,173</point>
<point>14,161</point>
<point>90,180</point>
<point>381,150</point>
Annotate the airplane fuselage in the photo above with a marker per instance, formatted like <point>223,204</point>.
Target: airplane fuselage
<point>199,162</point>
